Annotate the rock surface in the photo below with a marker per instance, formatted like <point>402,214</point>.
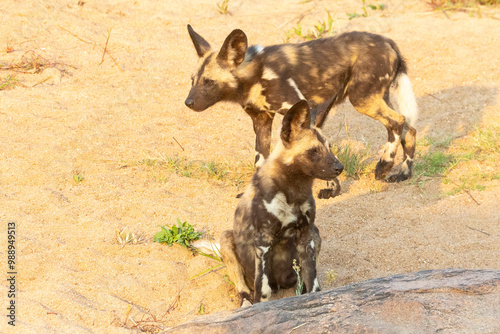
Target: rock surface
<point>433,301</point>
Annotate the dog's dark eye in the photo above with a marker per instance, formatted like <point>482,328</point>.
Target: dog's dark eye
<point>313,151</point>
<point>208,82</point>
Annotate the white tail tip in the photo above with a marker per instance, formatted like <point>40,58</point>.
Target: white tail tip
<point>208,247</point>
<point>405,99</point>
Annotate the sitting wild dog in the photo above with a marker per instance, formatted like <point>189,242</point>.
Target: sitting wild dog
<point>274,220</point>
<point>268,80</point>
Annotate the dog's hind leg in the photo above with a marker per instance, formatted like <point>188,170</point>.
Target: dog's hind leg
<point>407,105</point>
<point>234,269</point>
<point>375,106</point>
<point>408,142</point>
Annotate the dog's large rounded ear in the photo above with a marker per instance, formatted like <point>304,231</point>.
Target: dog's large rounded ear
<point>297,119</point>
<point>232,52</point>
<point>200,44</point>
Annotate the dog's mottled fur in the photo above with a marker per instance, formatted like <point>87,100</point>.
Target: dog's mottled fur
<point>265,80</point>
<point>274,220</point>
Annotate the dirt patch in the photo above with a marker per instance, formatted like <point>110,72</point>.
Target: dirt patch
<point>102,108</point>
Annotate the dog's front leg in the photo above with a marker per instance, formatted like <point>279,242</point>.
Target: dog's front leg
<point>308,245</point>
<point>262,288</point>
<point>262,126</point>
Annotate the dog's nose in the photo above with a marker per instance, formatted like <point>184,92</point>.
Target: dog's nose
<point>339,168</point>
<point>189,102</point>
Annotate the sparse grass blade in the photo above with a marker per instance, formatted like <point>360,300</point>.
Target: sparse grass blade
<point>218,266</point>
<point>126,237</point>
<point>354,161</point>
<point>215,250</point>
<point>486,141</point>
<point>232,173</point>
<point>472,161</point>
<point>319,30</point>
<point>215,256</point>
<point>434,164</point>
<point>364,8</point>
<point>214,170</point>
<point>9,82</point>
<point>222,7</point>
<point>78,177</point>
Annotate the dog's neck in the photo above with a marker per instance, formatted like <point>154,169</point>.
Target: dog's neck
<point>249,72</point>
<point>276,174</point>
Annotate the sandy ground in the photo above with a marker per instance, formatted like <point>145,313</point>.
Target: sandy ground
<point>101,117</point>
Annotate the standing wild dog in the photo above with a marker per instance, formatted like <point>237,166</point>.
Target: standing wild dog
<point>266,80</point>
<point>274,220</point>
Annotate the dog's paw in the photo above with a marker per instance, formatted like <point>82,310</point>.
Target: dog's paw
<point>332,191</point>
<point>246,300</point>
<point>398,178</point>
<point>325,193</point>
<point>383,168</point>
<point>246,303</point>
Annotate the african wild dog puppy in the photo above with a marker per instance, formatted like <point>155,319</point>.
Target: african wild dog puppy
<point>274,220</point>
<point>266,80</point>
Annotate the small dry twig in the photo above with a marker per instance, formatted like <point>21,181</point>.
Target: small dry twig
<point>105,51</point>
<point>178,143</point>
<point>74,35</point>
<point>30,62</point>
<point>468,193</point>
<point>437,98</point>
<point>305,323</point>
<point>106,46</point>
<point>475,229</point>
<point>173,305</point>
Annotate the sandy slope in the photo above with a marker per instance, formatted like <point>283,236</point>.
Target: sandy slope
<point>101,120</point>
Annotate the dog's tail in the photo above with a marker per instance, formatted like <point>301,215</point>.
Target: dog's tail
<point>207,247</point>
<point>403,92</point>
<point>405,98</point>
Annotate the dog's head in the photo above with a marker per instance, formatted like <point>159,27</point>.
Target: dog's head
<point>213,80</point>
<point>305,148</point>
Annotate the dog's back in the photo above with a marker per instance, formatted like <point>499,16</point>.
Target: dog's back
<point>322,68</point>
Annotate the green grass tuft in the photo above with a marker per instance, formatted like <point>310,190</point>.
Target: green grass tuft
<point>434,164</point>
<point>472,162</point>
<point>181,234</point>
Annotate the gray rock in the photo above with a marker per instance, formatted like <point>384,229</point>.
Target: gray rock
<point>434,301</point>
